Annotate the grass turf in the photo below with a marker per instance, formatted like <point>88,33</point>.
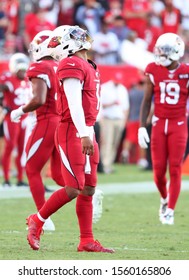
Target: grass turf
<point>129,224</point>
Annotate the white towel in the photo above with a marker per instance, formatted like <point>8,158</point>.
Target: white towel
<point>87,164</point>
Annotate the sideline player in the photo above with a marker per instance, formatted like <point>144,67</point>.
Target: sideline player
<point>16,91</point>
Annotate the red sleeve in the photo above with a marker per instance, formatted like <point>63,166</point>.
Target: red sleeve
<point>70,68</point>
<point>151,68</point>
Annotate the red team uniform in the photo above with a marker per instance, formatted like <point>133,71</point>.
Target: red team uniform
<point>169,128</point>
<point>67,139</point>
<point>78,106</point>
<point>18,93</point>
<point>40,146</point>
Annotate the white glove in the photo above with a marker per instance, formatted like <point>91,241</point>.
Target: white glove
<point>143,138</point>
<point>16,114</point>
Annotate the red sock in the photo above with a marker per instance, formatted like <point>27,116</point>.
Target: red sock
<point>55,201</point>
<point>37,220</point>
<point>84,210</point>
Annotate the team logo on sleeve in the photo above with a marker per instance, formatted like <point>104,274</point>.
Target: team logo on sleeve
<point>183,76</point>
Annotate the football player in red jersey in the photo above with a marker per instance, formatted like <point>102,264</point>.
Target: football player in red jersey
<point>40,145</point>
<point>78,105</point>
<point>167,82</point>
<point>16,91</point>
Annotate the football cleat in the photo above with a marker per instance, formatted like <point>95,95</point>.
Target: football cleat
<point>49,225</point>
<point>93,246</point>
<point>168,217</point>
<point>34,232</point>
<point>163,207</point>
<point>21,184</point>
<point>6,184</point>
<point>97,205</point>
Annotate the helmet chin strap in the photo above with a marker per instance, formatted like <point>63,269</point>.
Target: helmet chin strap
<point>85,46</point>
<point>165,61</point>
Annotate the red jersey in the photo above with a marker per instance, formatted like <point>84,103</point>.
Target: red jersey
<point>88,74</point>
<point>170,90</point>
<point>18,93</point>
<point>137,24</point>
<point>34,24</point>
<point>46,70</point>
<point>171,20</point>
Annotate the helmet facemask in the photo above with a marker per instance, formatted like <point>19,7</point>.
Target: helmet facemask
<point>162,55</point>
<point>82,38</point>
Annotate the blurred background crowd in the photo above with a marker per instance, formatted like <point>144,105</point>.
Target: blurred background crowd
<point>124,33</point>
<point>110,22</point>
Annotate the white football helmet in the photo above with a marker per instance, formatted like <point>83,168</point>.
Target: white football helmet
<point>168,48</point>
<point>38,46</point>
<point>18,61</point>
<point>67,40</point>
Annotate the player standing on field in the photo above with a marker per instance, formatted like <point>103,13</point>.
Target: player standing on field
<point>16,91</point>
<point>78,104</point>
<point>40,146</point>
<point>168,82</point>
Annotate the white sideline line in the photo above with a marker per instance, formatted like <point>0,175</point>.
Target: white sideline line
<point>113,188</point>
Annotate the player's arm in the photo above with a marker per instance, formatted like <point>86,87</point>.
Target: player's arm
<point>146,102</point>
<point>39,90</point>
<point>3,109</point>
<point>73,92</point>
<point>143,137</point>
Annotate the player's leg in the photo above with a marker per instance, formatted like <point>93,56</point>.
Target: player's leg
<point>176,146</point>
<point>107,144</point>
<point>20,150</point>
<point>72,166</point>
<point>11,131</point>
<point>39,148</point>
<point>55,165</point>
<point>60,197</point>
<point>84,209</point>
<point>159,151</point>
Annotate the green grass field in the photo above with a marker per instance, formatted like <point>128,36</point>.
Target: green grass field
<point>129,224</point>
